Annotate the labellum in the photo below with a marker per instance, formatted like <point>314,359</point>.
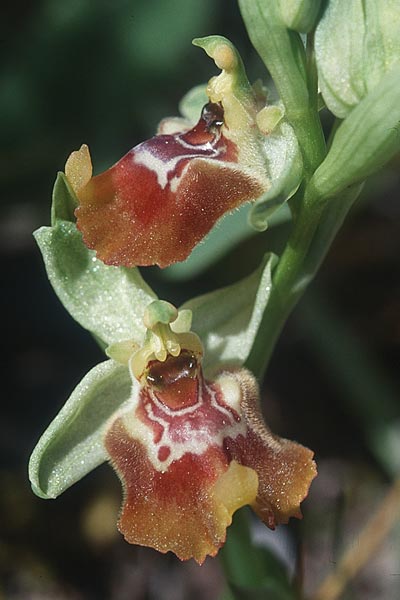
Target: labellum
<point>190,452</point>
<point>156,203</point>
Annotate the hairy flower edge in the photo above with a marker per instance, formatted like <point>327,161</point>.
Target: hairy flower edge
<point>190,452</point>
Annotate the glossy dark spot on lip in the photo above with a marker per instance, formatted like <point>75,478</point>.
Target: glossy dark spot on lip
<point>213,115</point>
<point>175,368</point>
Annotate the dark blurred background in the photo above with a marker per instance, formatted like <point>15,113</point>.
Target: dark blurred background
<point>105,73</point>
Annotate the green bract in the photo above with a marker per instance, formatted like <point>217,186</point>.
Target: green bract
<point>300,15</point>
<point>356,43</point>
<point>283,53</point>
<point>110,302</point>
<point>365,140</point>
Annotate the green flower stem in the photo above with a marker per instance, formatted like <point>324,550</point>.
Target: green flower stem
<point>312,72</point>
<point>283,53</point>
<point>242,562</point>
<point>313,232</point>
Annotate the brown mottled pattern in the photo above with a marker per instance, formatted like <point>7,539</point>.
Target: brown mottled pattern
<point>171,511</point>
<point>285,469</point>
<point>145,226</point>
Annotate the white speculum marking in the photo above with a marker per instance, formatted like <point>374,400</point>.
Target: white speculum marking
<point>162,167</point>
<point>195,441</point>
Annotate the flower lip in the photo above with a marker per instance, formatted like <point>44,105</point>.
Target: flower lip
<point>160,199</point>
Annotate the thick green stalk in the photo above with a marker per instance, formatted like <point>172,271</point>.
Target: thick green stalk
<point>313,232</point>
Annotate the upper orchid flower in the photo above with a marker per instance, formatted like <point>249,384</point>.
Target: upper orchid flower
<point>156,203</point>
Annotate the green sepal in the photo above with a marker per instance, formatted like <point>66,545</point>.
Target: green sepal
<point>192,102</point>
<point>356,44</point>
<point>64,201</point>
<point>107,301</point>
<point>72,445</point>
<point>227,320</point>
<point>285,166</point>
<point>364,142</point>
<point>159,311</point>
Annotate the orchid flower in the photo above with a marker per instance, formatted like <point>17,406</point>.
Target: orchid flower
<point>190,450</point>
<point>158,201</point>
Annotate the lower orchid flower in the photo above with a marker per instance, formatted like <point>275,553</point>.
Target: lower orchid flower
<point>190,449</point>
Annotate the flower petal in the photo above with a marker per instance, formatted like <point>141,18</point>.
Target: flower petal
<point>160,199</point>
<point>285,469</point>
<point>184,509</point>
<point>181,488</point>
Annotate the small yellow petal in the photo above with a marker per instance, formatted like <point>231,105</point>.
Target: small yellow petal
<point>78,168</point>
<point>236,487</point>
<point>268,118</point>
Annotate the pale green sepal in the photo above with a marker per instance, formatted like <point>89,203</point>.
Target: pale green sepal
<point>300,15</point>
<point>72,445</point>
<point>192,103</point>
<point>364,142</point>
<point>285,167</point>
<point>356,43</point>
<point>227,319</point>
<point>107,301</point>
<point>64,201</point>
<point>183,322</point>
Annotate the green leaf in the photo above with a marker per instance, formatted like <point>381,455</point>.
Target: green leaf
<point>356,44</point>
<point>227,319</point>
<point>107,301</point>
<point>253,572</point>
<point>72,446</point>
<point>364,142</point>
<point>285,167</point>
<point>271,589</point>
